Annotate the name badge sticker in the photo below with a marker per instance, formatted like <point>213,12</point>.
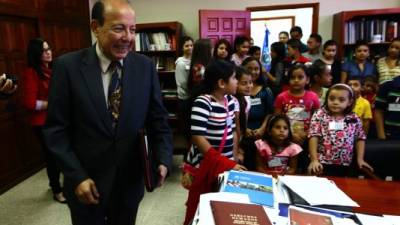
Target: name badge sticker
<point>255,101</point>
<point>394,107</point>
<point>275,162</point>
<point>187,67</point>
<point>229,121</point>
<point>336,125</point>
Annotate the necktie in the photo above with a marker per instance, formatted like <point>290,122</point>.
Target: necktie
<point>114,92</point>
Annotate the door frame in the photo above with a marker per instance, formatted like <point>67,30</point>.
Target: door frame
<point>277,18</point>
<point>314,6</point>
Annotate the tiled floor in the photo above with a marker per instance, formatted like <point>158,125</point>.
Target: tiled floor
<point>30,203</point>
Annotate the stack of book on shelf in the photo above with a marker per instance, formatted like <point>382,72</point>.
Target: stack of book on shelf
<point>371,30</point>
<point>172,115</point>
<point>157,41</point>
<point>169,93</point>
<point>163,63</point>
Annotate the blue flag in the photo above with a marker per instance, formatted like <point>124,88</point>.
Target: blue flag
<point>265,56</point>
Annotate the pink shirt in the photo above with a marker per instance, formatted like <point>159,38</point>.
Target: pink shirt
<point>298,109</point>
<point>276,163</point>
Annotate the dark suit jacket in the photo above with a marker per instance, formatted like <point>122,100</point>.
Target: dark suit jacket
<point>79,130</point>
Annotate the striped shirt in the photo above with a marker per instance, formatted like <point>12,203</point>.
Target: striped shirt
<point>386,73</point>
<point>209,119</point>
<point>388,100</point>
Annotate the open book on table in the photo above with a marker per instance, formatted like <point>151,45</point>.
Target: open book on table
<point>314,191</point>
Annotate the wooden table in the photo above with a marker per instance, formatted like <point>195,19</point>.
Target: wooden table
<point>373,196</point>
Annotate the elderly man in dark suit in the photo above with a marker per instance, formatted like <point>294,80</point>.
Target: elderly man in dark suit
<point>99,98</point>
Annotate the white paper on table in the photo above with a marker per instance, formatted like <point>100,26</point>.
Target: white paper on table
<point>317,190</point>
<point>273,215</point>
<point>281,194</point>
<point>204,213</point>
<point>343,221</point>
<point>373,220</point>
<point>395,220</point>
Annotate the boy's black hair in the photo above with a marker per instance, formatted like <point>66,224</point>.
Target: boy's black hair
<point>239,40</point>
<point>317,37</point>
<point>253,49</point>
<point>316,69</point>
<point>296,29</point>
<point>360,42</point>
<point>371,78</point>
<point>285,33</point>
<point>330,43</point>
<point>294,43</point>
<point>270,123</point>
<point>358,78</point>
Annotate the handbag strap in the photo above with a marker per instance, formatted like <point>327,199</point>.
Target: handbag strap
<point>223,140</point>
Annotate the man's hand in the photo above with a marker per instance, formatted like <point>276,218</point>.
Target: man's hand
<point>87,192</point>
<point>162,172</point>
<point>6,85</point>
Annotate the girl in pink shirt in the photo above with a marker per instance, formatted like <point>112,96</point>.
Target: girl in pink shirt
<point>297,103</point>
<point>276,154</point>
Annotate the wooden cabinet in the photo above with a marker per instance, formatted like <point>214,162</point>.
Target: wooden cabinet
<point>370,25</point>
<point>65,25</point>
<point>160,42</point>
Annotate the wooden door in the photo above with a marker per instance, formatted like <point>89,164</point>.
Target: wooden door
<point>65,25</point>
<point>227,24</point>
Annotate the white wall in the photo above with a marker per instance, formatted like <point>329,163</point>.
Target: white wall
<point>302,16</point>
<point>187,11</point>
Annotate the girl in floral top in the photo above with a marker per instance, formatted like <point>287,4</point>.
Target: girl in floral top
<point>334,131</point>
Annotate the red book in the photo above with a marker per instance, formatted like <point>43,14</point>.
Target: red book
<point>232,213</point>
<point>305,217</point>
<point>150,173</point>
<point>391,31</point>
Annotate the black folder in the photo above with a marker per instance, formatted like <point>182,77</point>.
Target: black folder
<point>148,162</point>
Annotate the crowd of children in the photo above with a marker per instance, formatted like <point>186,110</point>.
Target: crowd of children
<point>310,113</point>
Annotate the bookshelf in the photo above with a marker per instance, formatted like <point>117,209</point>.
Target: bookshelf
<point>160,42</point>
<point>349,26</point>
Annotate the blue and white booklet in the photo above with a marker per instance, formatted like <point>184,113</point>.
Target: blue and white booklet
<point>258,186</point>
